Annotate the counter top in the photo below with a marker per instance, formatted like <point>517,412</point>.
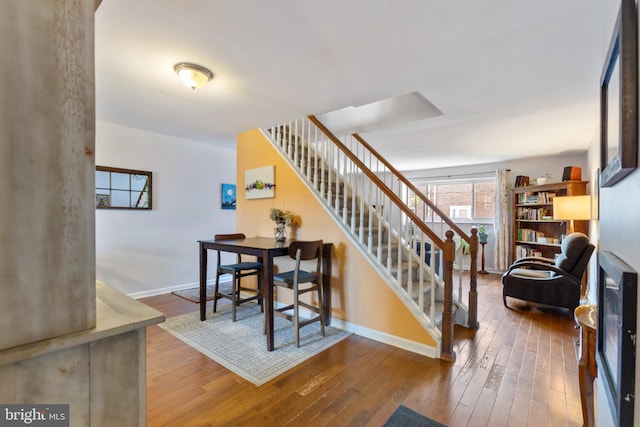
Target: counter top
<point>116,314</point>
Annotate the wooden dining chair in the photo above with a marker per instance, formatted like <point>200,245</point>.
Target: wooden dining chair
<point>238,270</point>
<point>301,282</point>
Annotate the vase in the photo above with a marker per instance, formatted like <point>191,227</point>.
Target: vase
<point>280,232</point>
<point>482,237</point>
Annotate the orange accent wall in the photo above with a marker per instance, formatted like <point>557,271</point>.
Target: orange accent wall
<point>359,295</point>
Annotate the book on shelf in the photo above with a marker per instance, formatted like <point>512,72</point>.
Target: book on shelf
<point>521,181</point>
<point>541,197</point>
<point>529,235</point>
<point>533,214</point>
<point>523,251</point>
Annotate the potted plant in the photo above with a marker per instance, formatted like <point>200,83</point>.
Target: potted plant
<point>544,178</point>
<point>482,234</point>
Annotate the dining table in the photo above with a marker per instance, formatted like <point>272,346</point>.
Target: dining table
<point>265,249</point>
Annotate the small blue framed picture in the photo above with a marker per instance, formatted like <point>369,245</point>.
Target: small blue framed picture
<point>228,196</point>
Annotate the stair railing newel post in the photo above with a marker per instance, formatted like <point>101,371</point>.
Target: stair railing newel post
<point>449,254</point>
<point>473,285</point>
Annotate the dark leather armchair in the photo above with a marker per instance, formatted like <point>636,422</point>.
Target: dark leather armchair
<point>551,282</point>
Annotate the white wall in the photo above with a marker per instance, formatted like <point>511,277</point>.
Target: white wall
<point>148,252</point>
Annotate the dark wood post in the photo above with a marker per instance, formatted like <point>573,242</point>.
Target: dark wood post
<point>449,252</point>
<point>473,286</point>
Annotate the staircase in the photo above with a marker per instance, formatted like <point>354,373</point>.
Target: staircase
<point>375,205</point>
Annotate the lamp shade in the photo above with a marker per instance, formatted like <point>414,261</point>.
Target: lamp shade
<point>572,208</point>
<point>193,75</point>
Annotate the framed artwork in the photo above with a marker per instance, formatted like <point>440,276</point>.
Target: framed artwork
<point>260,183</point>
<point>619,99</point>
<point>228,196</point>
<point>102,201</point>
<point>616,335</point>
<point>595,194</point>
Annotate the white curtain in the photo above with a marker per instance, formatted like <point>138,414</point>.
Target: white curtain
<point>501,221</point>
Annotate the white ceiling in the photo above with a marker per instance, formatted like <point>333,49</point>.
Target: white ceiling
<point>512,78</point>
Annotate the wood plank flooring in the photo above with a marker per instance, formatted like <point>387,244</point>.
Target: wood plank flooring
<point>518,369</point>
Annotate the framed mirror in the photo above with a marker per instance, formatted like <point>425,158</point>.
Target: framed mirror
<point>118,188</point>
<point>619,100</point>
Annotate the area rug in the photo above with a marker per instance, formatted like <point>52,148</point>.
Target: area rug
<point>405,417</point>
<point>193,294</point>
<point>241,346</point>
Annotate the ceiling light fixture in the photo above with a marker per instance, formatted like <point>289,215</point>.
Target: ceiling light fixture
<point>193,75</point>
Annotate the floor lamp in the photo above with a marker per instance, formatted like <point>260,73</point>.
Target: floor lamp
<point>572,208</point>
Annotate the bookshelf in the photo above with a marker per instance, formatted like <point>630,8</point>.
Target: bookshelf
<point>534,231</point>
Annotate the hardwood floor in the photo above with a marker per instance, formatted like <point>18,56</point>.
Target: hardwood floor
<point>518,369</point>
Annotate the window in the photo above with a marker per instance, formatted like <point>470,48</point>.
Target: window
<point>122,188</point>
<point>460,211</point>
<point>461,200</point>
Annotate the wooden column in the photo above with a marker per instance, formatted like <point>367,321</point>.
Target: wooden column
<point>449,252</point>
<point>64,340</point>
<point>473,284</point>
<point>47,169</point>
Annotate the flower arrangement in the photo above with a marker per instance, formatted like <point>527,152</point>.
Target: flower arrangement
<point>282,217</point>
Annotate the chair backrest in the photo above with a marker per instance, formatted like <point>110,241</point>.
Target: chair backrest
<point>306,251</point>
<point>576,251</point>
<point>581,265</point>
<point>234,236</point>
<point>231,236</point>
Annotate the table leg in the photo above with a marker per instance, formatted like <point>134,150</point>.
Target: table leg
<point>586,394</point>
<point>203,282</point>
<point>587,372</point>
<point>267,285</point>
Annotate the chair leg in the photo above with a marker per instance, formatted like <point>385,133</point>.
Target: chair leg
<point>296,314</point>
<point>260,293</point>
<point>215,292</point>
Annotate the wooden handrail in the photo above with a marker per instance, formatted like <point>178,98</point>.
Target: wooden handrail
<point>446,245</point>
<point>471,240</point>
<point>383,187</point>
<point>413,188</point>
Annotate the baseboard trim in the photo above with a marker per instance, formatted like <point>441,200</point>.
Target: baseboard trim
<point>169,289</point>
<point>382,337</point>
